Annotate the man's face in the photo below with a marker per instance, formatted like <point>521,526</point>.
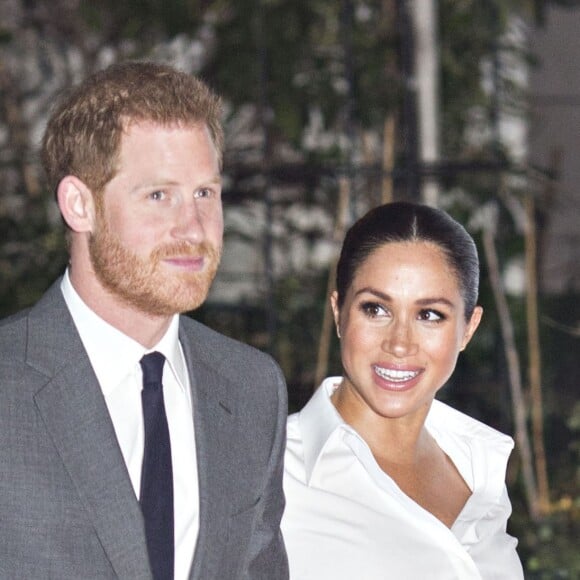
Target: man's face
<point>158,232</point>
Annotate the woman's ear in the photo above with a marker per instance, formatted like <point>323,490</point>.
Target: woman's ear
<point>76,204</point>
<point>335,311</point>
<point>471,326</point>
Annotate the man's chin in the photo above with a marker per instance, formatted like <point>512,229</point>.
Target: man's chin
<point>157,291</point>
<point>179,301</point>
<point>189,305</point>
<point>168,307</point>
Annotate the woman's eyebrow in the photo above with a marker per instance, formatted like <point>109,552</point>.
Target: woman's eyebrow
<point>428,301</point>
<point>436,300</point>
<point>375,292</point>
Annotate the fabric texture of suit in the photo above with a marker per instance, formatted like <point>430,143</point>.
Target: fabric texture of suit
<point>67,507</point>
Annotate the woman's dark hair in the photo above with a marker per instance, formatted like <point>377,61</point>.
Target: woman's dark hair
<point>410,222</point>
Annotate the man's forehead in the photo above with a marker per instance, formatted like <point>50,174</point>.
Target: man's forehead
<point>130,122</point>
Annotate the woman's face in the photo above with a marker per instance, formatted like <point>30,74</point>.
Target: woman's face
<point>402,325</point>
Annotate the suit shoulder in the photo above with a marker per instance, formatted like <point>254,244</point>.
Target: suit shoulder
<point>237,363</point>
<point>14,319</point>
<point>13,332</point>
<point>214,343</point>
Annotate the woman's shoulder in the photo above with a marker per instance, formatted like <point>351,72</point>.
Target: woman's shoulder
<point>473,440</point>
<point>479,451</point>
<point>293,426</point>
<point>444,418</point>
<point>308,432</point>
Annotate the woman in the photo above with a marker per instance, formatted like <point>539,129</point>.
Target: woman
<point>381,480</point>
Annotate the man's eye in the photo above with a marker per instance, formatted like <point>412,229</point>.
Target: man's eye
<point>157,195</point>
<point>204,192</point>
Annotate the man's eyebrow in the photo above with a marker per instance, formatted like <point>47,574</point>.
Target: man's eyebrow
<point>216,179</point>
<point>428,301</point>
<point>164,182</point>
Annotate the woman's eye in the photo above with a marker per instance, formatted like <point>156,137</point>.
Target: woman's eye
<point>431,316</point>
<point>372,309</point>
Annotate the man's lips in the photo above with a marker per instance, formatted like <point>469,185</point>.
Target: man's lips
<point>195,263</point>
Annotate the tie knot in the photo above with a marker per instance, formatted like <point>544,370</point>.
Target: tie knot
<point>152,365</point>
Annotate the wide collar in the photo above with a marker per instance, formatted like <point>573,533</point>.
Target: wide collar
<point>214,412</point>
<point>319,423</point>
<point>73,408</point>
<point>113,354</point>
<point>479,452</point>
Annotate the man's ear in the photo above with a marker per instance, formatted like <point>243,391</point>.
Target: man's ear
<point>76,204</point>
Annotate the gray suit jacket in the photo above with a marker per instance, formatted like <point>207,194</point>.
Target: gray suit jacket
<point>67,507</point>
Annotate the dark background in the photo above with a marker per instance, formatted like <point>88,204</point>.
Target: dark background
<point>322,122</point>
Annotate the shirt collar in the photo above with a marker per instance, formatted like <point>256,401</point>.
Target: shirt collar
<point>112,353</point>
<point>466,440</point>
<point>459,435</point>
<point>319,421</point>
<point>479,452</point>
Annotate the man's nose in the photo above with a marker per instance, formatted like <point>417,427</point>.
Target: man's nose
<point>189,223</point>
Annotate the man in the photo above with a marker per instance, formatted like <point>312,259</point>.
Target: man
<point>96,480</point>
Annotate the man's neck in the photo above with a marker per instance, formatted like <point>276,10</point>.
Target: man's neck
<point>147,329</point>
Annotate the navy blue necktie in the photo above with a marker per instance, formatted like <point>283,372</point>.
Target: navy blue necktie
<point>156,497</point>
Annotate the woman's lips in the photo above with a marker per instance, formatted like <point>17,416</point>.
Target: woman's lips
<point>396,378</point>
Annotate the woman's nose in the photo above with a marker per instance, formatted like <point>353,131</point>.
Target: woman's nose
<point>399,339</point>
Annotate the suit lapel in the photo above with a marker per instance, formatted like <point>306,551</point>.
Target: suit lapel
<point>213,422</point>
<point>75,414</point>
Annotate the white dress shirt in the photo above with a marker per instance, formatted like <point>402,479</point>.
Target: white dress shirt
<point>115,359</point>
<point>346,519</point>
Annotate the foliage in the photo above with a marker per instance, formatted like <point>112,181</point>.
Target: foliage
<point>549,550</point>
<point>287,61</point>
<point>289,57</point>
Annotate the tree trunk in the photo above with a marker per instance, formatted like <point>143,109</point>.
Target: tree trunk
<point>535,358</point>
<point>426,65</point>
<point>327,320</point>
<point>514,371</point>
<point>388,158</point>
